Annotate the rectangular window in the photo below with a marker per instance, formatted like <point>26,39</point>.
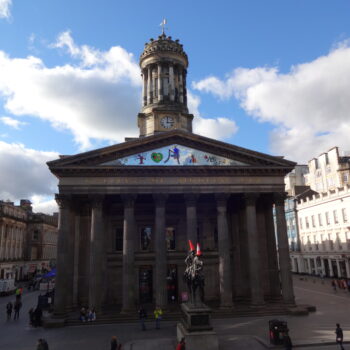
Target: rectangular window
<point>344,214</point>
<point>313,220</point>
<point>346,177</point>
<point>307,222</point>
<point>327,218</point>
<point>335,216</point>
<point>170,238</point>
<point>319,219</point>
<point>146,238</point>
<point>301,223</point>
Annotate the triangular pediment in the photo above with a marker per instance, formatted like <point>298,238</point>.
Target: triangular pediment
<point>173,148</point>
<point>174,155</point>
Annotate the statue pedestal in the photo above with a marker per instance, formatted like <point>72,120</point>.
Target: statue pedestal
<point>196,327</point>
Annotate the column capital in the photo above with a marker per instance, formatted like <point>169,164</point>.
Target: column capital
<point>250,198</point>
<point>129,200</point>
<point>279,198</point>
<point>62,200</point>
<point>97,201</point>
<point>191,199</point>
<point>221,199</point>
<point>160,199</point>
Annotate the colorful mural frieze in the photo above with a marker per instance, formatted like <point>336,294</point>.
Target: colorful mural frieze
<point>174,155</point>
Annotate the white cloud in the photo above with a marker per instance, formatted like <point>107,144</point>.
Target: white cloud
<point>219,128</point>
<point>310,105</point>
<point>24,173</point>
<point>43,204</point>
<point>13,123</point>
<point>98,98</point>
<point>5,8</point>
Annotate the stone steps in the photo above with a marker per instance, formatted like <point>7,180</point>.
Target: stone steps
<point>110,317</point>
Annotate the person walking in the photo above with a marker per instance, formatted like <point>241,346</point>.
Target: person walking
<point>17,308</point>
<point>143,317</point>
<point>181,345</point>
<point>339,336</point>
<point>287,342</point>
<point>334,285</point>
<point>31,316</point>
<point>114,343</point>
<point>9,307</point>
<point>158,316</point>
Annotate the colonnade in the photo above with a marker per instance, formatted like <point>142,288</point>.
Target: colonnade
<point>164,82</point>
<point>67,284</point>
<point>11,241</point>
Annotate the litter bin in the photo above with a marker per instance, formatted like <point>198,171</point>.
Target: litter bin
<point>276,330</point>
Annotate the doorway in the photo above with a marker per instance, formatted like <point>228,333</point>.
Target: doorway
<point>145,284</point>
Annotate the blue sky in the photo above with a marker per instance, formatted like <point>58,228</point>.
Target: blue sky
<point>272,76</point>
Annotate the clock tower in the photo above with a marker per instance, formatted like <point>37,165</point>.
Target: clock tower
<point>164,96</point>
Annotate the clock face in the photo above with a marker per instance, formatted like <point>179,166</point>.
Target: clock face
<point>167,122</point>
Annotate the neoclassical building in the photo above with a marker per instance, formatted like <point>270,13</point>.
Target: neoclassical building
<point>128,210</point>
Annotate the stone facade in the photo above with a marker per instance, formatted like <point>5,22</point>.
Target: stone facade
<point>27,240</point>
<point>127,212</point>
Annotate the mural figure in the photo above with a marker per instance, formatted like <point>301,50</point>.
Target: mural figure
<point>174,153</point>
<point>193,274</point>
<point>140,158</point>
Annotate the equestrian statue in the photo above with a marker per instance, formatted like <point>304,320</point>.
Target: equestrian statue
<point>193,275</point>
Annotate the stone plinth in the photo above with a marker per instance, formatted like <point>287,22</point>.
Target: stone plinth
<point>196,328</point>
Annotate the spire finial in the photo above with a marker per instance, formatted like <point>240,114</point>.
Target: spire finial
<point>164,22</point>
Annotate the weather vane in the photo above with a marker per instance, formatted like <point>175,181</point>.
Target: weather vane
<point>164,22</point>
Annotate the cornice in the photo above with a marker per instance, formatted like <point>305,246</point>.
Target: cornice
<point>171,171</point>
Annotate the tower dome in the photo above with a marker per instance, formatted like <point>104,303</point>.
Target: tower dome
<point>163,64</point>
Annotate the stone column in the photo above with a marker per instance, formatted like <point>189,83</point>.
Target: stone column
<point>181,90</point>
<point>257,297</point>
<point>154,86</point>
<point>61,284</point>
<point>316,267</point>
<point>171,83</point>
<point>160,250</point>
<point>191,218</point>
<point>160,83</point>
<point>224,252</point>
<point>323,268</point>
<point>128,254</point>
<point>76,257</point>
<point>338,269</point>
<point>144,88</point>
<point>275,290</point>
<point>96,254</point>
<point>283,250</point>
<point>2,241</point>
<point>347,267</point>
<point>331,272</point>
<point>149,85</point>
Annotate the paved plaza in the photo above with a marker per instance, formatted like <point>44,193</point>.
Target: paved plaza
<point>236,333</point>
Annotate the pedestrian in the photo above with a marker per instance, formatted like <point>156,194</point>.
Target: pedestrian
<point>334,285</point>
<point>114,343</point>
<point>339,336</point>
<point>158,316</point>
<point>9,307</point>
<point>31,316</point>
<point>348,283</point>
<point>91,315</point>
<point>143,317</point>
<point>17,308</point>
<point>38,313</point>
<point>181,345</point>
<point>287,342</point>
<point>83,315</point>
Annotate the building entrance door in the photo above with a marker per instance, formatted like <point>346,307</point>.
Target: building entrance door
<point>145,284</point>
<point>172,287</point>
<point>326,267</point>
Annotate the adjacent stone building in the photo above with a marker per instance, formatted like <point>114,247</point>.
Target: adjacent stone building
<point>28,241</point>
<point>127,211</point>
